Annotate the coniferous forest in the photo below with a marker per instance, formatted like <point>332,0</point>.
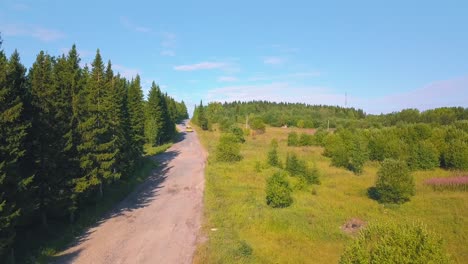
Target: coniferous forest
<point>69,133</point>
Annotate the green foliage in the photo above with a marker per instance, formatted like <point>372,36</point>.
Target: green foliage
<point>423,156</point>
<point>228,148</point>
<point>306,140</point>
<point>159,126</point>
<point>66,132</point>
<point>273,159</point>
<point>394,182</point>
<point>201,119</point>
<point>14,127</point>
<point>237,131</point>
<point>257,124</point>
<point>395,243</point>
<point>293,139</point>
<point>278,191</point>
<point>358,154</point>
<point>297,167</point>
<point>136,117</point>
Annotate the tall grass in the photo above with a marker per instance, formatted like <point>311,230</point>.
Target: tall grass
<point>236,215</point>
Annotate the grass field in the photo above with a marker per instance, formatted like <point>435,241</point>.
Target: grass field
<point>241,228</point>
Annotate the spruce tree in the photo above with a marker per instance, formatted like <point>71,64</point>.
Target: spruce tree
<point>13,133</point>
<point>46,133</point>
<point>136,118</point>
<point>97,143</point>
<point>159,127</point>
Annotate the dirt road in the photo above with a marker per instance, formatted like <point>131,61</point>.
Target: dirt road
<point>159,222</point>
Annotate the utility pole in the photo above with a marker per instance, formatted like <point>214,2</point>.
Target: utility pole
<point>328,127</point>
<point>346,99</point>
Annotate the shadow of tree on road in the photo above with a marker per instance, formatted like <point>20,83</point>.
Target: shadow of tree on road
<point>140,197</point>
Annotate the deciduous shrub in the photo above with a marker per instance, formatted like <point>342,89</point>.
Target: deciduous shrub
<point>394,182</point>
<point>395,243</point>
<point>257,124</point>
<point>278,191</point>
<point>237,131</point>
<point>423,156</point>
<point>228,148</point>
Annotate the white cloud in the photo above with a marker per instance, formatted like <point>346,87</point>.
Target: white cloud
<point>200,66</point>
<point>126,72</point>
<point>273,60</point>
<point>227,79</point>
<point>276,92</point>
<point>169,53</point>
<point>452,92</point>
<point>168,43</point>
<point>294,75</point>
<point>41,33</point>
<point>128,24</point>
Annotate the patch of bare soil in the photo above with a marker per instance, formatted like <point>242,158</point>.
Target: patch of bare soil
<point>353,225</point>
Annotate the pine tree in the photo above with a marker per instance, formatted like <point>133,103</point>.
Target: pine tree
<point>159,127</point>
<point>46,133</point>
<point>136,118</point>
<point>13,133</point>
<point>97,144</point>
<point>202,119</point>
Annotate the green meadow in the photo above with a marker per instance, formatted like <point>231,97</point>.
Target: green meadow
<point>239,227</point>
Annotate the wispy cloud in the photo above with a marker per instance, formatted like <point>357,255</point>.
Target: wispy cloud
<point>294,75</point>
<point>169,53</point>
<point>200,66</point>
<point>452,92</point>
<point>168,43</point>
<point>227,79</point>
<point>20,7</point>
<point>82,53</point>
<point>273,60</point>
<point>38,32</point>
<point>126,72</point>
<point>276,92</point>
<point>128,24</point>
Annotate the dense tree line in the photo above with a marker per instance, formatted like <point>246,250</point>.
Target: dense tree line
<point>421,146</point>
<point>323,116</point>
<point>68,132</point>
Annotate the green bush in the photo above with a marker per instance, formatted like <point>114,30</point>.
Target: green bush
<point>394,182</point>
<point>278,191</point>
<point>395,243</point>
<point>358,154</point>
<point>273,159</point>
<point>237,131</point>
<point>293,139</point>
<point>297,167</point>
<point>257,124</point>
<point>423,156</point>
<point>228,148</point>
<point>306,140</point>
<point>456,156</point>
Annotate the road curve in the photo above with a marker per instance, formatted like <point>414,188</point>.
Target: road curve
<point>159,222</point>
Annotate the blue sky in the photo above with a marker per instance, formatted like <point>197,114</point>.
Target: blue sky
<point>386,55</point>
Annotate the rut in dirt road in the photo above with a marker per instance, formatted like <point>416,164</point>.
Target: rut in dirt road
<point>159,222</point>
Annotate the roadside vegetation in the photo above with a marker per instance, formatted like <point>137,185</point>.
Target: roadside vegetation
<point>72,143</point>
<point>262,209</point>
